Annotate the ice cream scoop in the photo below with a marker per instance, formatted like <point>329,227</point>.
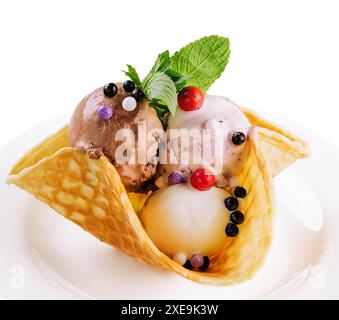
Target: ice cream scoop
<point>211,235</point>
<point>184,221</point>
<point>99,118</point>
<point>218,129</point>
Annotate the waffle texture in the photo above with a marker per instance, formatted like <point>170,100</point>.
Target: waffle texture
<point>90,193</point>
<point>280,146</point>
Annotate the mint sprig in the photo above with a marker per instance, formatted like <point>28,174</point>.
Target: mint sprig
<point>204,60</point>
<point>199,64</point>
<point>159,87</point>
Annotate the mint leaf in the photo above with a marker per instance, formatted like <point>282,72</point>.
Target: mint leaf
<point>162,62</point>
<point>198,64</point>
<point>204,60</point>
<point>133,75</point>
<point>181,82</point>
<point>160,87</point>
<point>174,75</point>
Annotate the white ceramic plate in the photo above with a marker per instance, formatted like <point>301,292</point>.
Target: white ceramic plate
<point>44,256</point>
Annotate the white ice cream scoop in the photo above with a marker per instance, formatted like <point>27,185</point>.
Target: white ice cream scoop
<point>182,220</point>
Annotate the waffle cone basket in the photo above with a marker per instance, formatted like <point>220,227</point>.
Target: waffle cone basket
<point>90,193</point>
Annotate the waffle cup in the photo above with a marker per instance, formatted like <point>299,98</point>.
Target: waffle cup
<point>90,193</point>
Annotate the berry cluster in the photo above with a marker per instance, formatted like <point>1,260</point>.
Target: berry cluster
<point>129,103</point>
<point>236,217</point>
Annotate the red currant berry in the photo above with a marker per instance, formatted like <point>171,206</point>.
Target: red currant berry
<point>190,98</point>
<point>202,179</point>
<point>197,260</point>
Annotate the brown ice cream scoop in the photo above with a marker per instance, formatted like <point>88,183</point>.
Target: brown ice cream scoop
<point>121,128</point>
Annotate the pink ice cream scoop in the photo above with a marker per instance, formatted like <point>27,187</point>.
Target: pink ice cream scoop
<point>213,136</point>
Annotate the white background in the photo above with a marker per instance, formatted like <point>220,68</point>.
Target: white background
<point>284,60</point>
